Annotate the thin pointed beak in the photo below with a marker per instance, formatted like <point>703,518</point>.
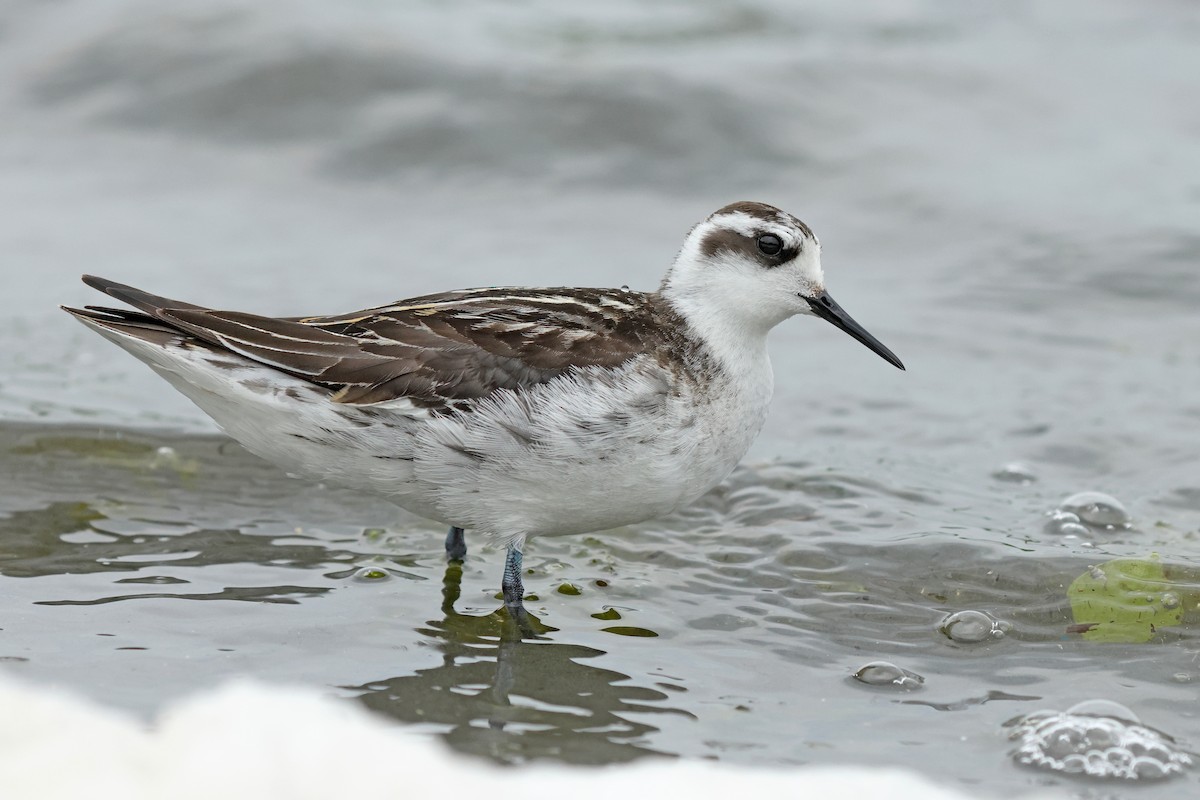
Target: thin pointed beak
<point>827,309</point>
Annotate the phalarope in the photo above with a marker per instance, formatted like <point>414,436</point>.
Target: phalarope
<point>515,412</point>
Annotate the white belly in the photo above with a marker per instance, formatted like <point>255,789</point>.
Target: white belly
<point>587,452</point>
<point>584,452</point>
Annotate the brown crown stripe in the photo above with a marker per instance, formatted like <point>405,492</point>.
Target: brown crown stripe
<point>751,209</point>
<point>764,212</point>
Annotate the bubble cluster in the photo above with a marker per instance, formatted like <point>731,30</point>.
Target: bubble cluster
<point>970,627</point>
<point>1065,523</point>
<point>1097,509</point>
<point>1085,512</point>
<point>885,673</point>
<point>1097,738</point>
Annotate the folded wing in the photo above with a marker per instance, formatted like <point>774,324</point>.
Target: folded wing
<point>433,350</point>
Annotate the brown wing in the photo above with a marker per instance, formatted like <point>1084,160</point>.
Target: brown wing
<point>434,350</point>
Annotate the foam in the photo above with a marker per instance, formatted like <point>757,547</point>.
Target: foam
<point>249,740</point>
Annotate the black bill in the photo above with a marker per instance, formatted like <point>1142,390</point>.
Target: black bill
<point>827,309</point>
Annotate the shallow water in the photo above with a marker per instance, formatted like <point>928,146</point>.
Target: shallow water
<point>1006,197</point>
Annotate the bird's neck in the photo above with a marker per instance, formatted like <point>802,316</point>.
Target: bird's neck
<point>738,342</point>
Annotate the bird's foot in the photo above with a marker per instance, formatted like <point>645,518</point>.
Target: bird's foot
<point>526,624</point>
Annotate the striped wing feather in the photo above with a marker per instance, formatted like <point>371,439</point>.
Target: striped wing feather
<point>433,350</point>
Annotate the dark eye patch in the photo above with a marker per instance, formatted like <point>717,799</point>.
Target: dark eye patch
<point>766,248</point>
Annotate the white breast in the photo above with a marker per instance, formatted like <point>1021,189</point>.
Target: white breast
<point>591,450</point>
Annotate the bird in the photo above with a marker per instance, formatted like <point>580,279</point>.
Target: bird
<point>512,412</point>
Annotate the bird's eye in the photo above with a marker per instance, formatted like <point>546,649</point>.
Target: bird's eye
<point>769,244</point>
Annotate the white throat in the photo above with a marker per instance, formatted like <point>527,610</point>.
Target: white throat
<point>738,342</point>
<point>724,310</point>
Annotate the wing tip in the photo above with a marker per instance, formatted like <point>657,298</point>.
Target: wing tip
<point>102,284</point>
<point>138,298</point>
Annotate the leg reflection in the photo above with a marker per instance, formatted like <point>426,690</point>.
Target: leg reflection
<point>512,699</point>
<point>506,625</point>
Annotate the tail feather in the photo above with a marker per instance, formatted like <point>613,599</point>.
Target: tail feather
<point>130,323</point>
<point>148,323</point>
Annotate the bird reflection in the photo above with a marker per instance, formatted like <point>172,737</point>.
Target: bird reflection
<point>513,698</point>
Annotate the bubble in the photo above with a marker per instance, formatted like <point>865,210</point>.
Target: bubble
<point>1015,472</point>
<point>371,574</point>
<point>1105,708</point>
<point>1098,510</point>
<point>1098,738</point>
<point>970,627</point>
<point>885,673</point>
<point>165,457</point>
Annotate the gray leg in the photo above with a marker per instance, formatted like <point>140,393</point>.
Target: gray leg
<point>514,591</point>
<point>456,545</point>
<point>514,594</point>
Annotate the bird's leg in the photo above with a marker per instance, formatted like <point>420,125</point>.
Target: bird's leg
<point>456,545</point>
<point>514,590</point>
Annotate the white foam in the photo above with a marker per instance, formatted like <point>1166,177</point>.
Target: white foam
<point>249,740</point>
